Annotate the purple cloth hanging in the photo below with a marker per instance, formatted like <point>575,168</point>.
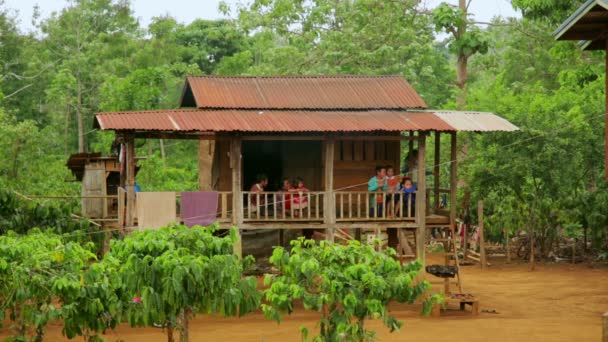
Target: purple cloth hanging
<point>199,208</point>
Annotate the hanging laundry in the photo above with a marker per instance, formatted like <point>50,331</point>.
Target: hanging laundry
<point>155,209</point>
<point>199,208</point>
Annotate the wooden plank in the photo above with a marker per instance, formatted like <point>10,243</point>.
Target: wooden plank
<point>206,155</point>
<point>482,243</point>
<point>122,195</point>
<point>369,151</point>
<point>224,204</point>
<point>358,150</point>
<point>317,209</point>
<point>237,197</point>
<point>421,200</point>
<point>380,150</point>
<point>309,204</point>
<point>350,205</point>
<point>358,205</point>
<point>329,211</point>
<point>274,206</point>
<point>341,196</point>
<point>347,150</point>
<point>436,175</point>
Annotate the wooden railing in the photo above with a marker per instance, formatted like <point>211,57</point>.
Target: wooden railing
<point>374,206</point>
<point>224,206</point>
<point>283,206</point>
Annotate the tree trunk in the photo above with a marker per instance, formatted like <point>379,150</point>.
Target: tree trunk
<point>79,117</point>
<point>461,80</point>
<point>163,154</point>
<point>184,333</point>
<point>170,337</point>
<point>532,261</point>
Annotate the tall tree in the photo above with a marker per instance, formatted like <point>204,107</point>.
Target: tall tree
<point>344,37</point>
<point>465,40</point>
<point>90,38</point>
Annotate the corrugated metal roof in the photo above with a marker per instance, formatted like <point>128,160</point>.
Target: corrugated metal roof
<point>193,120</point>
<point>475,121</point>
<point>301,92</point>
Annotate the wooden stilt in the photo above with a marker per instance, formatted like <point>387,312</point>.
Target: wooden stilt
<point>436,175</point>
<point>206,153</point>
<point>329,213</point>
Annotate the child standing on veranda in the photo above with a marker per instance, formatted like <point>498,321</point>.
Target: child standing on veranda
<point>299,200</point>
<point>392,183</point>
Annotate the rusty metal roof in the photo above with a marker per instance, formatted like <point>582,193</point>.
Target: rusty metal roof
<point>475,121</point>
<point>199,120</point>
<point>300,92</point>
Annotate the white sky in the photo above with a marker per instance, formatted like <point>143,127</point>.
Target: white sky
<point>188,10</point>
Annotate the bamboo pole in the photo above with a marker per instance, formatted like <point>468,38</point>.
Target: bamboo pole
<point>482,242</point>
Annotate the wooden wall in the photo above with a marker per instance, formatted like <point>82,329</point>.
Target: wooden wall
<point>355,161</point>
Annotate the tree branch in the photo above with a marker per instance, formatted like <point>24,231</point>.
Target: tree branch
<point>18,91</point>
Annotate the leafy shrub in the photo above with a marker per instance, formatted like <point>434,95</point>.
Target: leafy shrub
<point>347,284</point>
<point>171,274</point>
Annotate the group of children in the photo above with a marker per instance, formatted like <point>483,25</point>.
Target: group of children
<point>291,195</point>
<point>400,193</point>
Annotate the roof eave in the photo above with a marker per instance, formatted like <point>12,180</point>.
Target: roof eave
<point>577,15</point>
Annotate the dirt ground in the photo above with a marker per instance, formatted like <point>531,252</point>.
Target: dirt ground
<point>556,302</point>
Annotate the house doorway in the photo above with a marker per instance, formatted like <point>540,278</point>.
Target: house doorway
<point>280,159</point>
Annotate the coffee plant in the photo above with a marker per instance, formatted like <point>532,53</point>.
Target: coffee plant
<point>347,284</point>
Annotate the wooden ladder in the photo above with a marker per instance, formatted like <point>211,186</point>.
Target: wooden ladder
<point>450,254</point>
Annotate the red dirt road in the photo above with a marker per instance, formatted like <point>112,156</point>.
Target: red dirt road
<point>557,302</point>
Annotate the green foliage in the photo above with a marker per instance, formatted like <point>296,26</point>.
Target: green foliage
<point>343,37</point>
<point>453,20</point>
<point>40,279</point>
<point>177,272</point>
<point>552,11</point>
<point>347,284</point>
<point>21,217</point>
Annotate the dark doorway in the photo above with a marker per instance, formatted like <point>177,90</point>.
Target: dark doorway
<point>279,159</point>
<point>262,157</point>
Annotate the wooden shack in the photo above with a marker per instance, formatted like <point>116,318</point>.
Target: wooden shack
<point>100,178</point>
<point>330,130</point>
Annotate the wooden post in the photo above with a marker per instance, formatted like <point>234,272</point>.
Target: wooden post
<point>329,207</point>
<point>130,181</point>
<point>482,241</point>
<point>237,197</point>
<point>206,153</point>
<point>454,185</point>
<point>436,176</point>
<point>421,200</point>
<point>605,327</point>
